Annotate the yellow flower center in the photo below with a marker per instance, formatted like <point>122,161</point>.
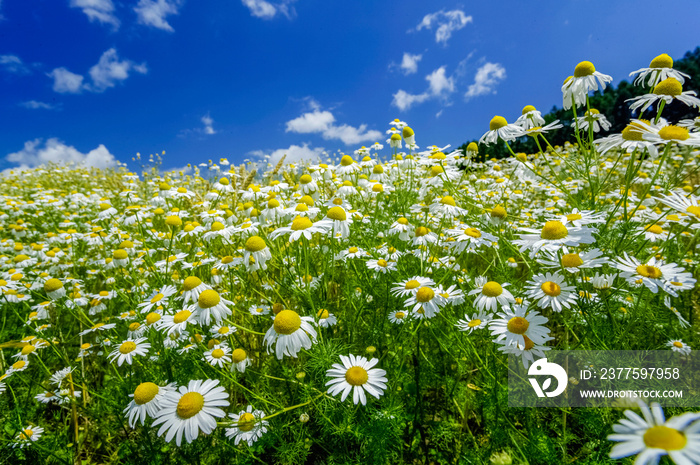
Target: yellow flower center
<point>585,68</point>
<point>356,376</point>
<point>663,437</point>
<point>425,294</point>
<point>399,315</point>
<point>448,200</point>
<point>670,86</point>
<point>19,365</point>
<point>381,262</point>
<point>672,132</point>
<point>346,160</point>
<point>336,213</point>
<point>209,298</point>
<point>28,349</point>
<point>527,109</point>
<point>402,221</point>
<point>191,282</point>
<point>127,347</point>
<point>551,288</point>
<point>287,322</point>
<point>300,223</point>
<point>407,132</point>
<point>152,317</point>
<point>499,212</point>
<point>528,343</point>
<point>246,422</point>
<point>119,254</point>
<point>145,392</point>
<point>678,344</point>
<point>573,216</point>
<point>649,271</point>
<point>134,326</point>
<point>181,316</point>
<point>492,289</point>
<point>632,132</point>
<point>52,284</point>
<point>353,250</point>
<point>224,181</point>
<point>655,229</point>
<point>190,405</point>
<point>421,231</point>
<point>217,226</point>
<point>157,298</point>
<point>255,244</point>
<point>173,221</point>
<point>412,284</point>
<point>554,230</point>
<point>662,61</point>
<point>497,122</point>
<point>217,353</point>
<point>238,355</point>
<point>474,323</point>
<point>26,434</point>
<point>518,325</point>
<point>436,170</point>
<point>571,260</point>
<point>693,210</point>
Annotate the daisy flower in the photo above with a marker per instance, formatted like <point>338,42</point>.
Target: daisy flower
<point>490,295</point>
<point>499,128</point>
<point>594,118</point>
<point>584,80</point>
<point>336,222</point>
<point>249,426</point>
<point>630,139</point>
<point>290,332</point>
<point>652,274</point>
<point>240,360</point>
<point>218,355</point>
<point>210,305</point>
<point>356,374</point>
<point>146,401</point>
<point>398,317</point>
<point>300,226</point>
<point>688,205</point>
<point>177,323</point>
<point>572,261</point>
<point>549,290</point>
<point>426,302</point>
<point>156,299</point>
<point>667,134</point>
<point>553,235</point>
<point>351,252</point>
<point>469,238</point>
<point>54,289</point>
<point>530,118</point>
<point>652,436</point>
<point>381,266</point>
<point>27,436</point>
<point>256,248</point>
<point>514,324</point>
<point>659,69</point>
<point>529,353</point>
<point>190,409</point>
<point>477,321</point>
<point>326,319</point>
<point>668,90</point>
<point>410,286</point>
<point>679,346</point>
<point>127,350</point>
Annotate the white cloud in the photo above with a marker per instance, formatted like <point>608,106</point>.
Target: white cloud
<point>409,63</point>
<point>110,70</point>
<point>55,151</point>
<point>65,82</point>
<point>486,79</point>
<point>447,22</point>
<point>322,122</point>
<point>439,86</point>
<point>153,12</point>
<point>268,10</point>
<point>98,10</point>
<point>35,105</point>
<point>294,153</point>
<point>208,123</point>
<point>13,64</point>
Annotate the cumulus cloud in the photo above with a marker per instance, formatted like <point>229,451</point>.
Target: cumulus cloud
<point>322,122</point>
<point>98,10</point>
<point>445,23</point>
<point>266,10</point>
<point>35,105</point>
<point>208,123</point>
<point>54,151</point>
<point>153,12</point>
<point>65,82</point>
<point>294,153</point>
<point>439,87</point>
<point>108,71</point>
<point>486,79</point>
<point>13,64</point>
<point>409,63</point>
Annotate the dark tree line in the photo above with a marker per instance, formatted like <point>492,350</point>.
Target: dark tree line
<point>612,103</point>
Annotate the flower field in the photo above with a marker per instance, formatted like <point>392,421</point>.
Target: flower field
<point>358,310</point>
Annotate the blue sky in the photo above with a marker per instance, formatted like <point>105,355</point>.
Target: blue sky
<point>100,80</point>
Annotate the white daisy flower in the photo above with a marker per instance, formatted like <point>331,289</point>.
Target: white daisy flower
<point>398,316</point>
<point>210,305</point>
<point>688,205</point>
<point>190,409</point>
<point>679,346</point>
<point>240,360</point>
<point>127,349</point>
<point>325,318</point>
<point>572,261</point>
<point>529,353</point>
<point>653,436</point>
<point>652,274</point>
<point>410,286</point>
<point>218,356</point>
<point>584,80</point>
<point>549,290</point>
<point>356,374</point>
<point>554,234</point>
<point>177,323</point>
<point>515,323</point>
<point>249,426</point>
<point>499,128</point>
<point>146,401</point>
<point>27,436</point>
<point>381,266</point>
<point>477,321</point>
<point>337,222</point>
<point>659,69</point>
<point>300,226</point>
<point>426,302</point>
<point>490,295</point>
<point>668,90</point>
<point>290,332</point>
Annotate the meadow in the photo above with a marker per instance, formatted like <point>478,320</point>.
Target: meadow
<point>356,310</point>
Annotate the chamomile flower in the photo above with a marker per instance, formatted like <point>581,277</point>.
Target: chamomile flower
<point>210,306</point>
<point>381,266</point>
<point>529,353</point>
<point>668,90</point>
<point>325,318</point>
<point>190,409</point>
<point>688,205</point>
<point>177,323</point>
<point>146,401</point>
<point>398,316</point>
<point>426,302</point>
<point>554,235</point>
<point>679,346</point>
<point>54,289</point>
<point>290,332</point>
<point>157,298</point>
<point>218,356</point>
<point>127,349</point>
<point>513,324</point>
<point>410,286</point>
<point>499,128</point>
<point>257,249</point>
<point>491,295</point>
<point>240,360</point>
<point>584,80</point>
<point>249,426</point>
<point>652,436</point>
<point>337,222</point>
<point>530,118</point>
<point>660,68</point>
<point>469,238</point>
<point>477,321</point>
<point>571,261</point>
<point>652,274</point>
<point>356,374</point>
<point>550,291</point>
<point>300,226</point>
<point>27,436</point>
